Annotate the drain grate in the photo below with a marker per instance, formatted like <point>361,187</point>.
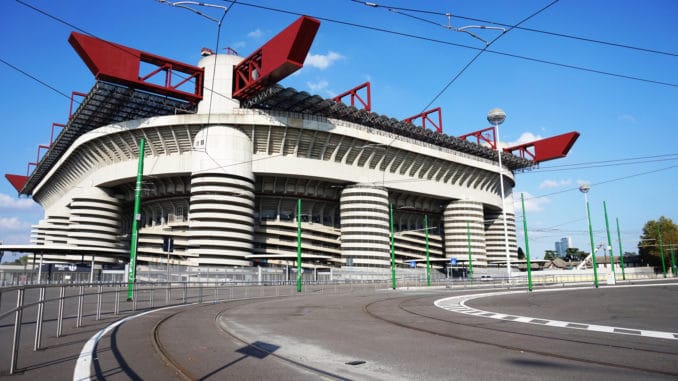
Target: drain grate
<point>356,362</point>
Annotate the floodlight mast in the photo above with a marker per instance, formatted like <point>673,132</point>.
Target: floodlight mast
<point>497,116</point>
<point>585,188</point>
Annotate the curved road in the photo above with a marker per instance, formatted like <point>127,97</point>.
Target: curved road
<point>398,335</point>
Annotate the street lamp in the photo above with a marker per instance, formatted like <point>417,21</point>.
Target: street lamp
<point>584,188</point>
<point>497,116</point>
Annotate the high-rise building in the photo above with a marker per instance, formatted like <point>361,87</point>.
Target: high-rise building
<point>562,246</point>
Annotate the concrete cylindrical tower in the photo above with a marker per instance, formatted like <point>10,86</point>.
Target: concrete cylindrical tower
<point>218,90</point>
<point>94,219</point>
<point>365,229</point>
<point>221,221</point>
<point>494,235</point>
<point>456,216</point>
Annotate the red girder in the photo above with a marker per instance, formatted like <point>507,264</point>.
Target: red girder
<point>281,56</point>
<point>51,134</point>
<point>40,148</point>
<point>424,117</point>
<point>28,168</point>
<point>546,149</point>
<point>73,95</point>
<point>121,64</point>
<point>17,181</point>
<point>485,135</point>
<point>367,105</point>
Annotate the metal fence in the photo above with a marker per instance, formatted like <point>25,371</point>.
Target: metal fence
<point>68,306</point>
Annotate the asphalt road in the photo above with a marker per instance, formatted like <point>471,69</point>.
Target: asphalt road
<point>378,335</point>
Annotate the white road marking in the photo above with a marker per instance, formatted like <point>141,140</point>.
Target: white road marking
<point>83,365</point>
<point>458,304</point>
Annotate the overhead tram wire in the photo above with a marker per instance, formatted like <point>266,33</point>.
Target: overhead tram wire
<point>75,27</point>
<point>36,79</point>
<point>638,174</point>
<point>449,43</point>
<point>600,164</point>
<point>487,45</point>
<point>59,20</point>
<point>555,34</point>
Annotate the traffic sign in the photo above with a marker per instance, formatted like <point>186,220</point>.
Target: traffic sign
<point>453,261</point>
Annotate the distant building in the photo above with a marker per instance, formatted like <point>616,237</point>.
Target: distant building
<point>562,246</point>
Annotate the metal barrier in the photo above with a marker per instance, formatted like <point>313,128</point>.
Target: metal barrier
<point>100,300</point>
<point>103,299</point>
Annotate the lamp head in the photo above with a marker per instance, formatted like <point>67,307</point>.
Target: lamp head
<point>496,116</point>
<point>584,188</point>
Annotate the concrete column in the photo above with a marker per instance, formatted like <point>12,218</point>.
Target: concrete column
<point>95,219</point>
<point>221,213</point>
<point>365,233</point>
<point>217,90</point>
<point>455,218</point>
<point>55,229</point>
<point>494,236</point>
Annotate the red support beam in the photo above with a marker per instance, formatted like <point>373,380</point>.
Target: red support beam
<point>51,134</point>
<point>353,93</point>
<point>546,149</point>
<point>281,56</point>
<point>485,135</point>
<point>122,64</point>
<point>73,95</point>
<point>17,181</point>
<point>40,148</point>
<point>425,117</point>
<point>28,168</point>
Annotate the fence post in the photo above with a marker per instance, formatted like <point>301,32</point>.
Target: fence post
<point>99,291</point>
<point>18,315</point>
<point>81,302</point>
<point>38,320</point>
<point>60,312</point>
<point>116,309</point>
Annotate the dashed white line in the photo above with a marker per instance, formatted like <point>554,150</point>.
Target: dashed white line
<point>458,304</point>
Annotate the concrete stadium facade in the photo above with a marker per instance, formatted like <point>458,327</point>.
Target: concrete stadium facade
<point>225,183</point>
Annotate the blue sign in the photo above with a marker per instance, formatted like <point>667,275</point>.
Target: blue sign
<point>453,261</point>
<point>413,264</point>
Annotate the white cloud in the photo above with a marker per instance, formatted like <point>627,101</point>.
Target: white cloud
<point>526,137</point>
<point>255,33</point>
<point>10,202</point>
<point>532,204</point>
<point>238,44</point>
<point>628,118</point>
<point>11,223</point>
<point>548,184</point>
<point>317,86</point>
<point>322,61</point>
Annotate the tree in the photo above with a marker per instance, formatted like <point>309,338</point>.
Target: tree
<point>521,254</point>
<point>21,260</point>
<point>574,254</point>
<point>550,255</point>
<point>648,247</point>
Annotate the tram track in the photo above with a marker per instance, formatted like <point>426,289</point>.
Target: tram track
<point>188,375</point>
<point>370,310</point>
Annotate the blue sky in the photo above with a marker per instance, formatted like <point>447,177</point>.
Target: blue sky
<point>628,145</point>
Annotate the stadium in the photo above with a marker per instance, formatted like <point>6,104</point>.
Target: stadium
<point>238,171</point>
